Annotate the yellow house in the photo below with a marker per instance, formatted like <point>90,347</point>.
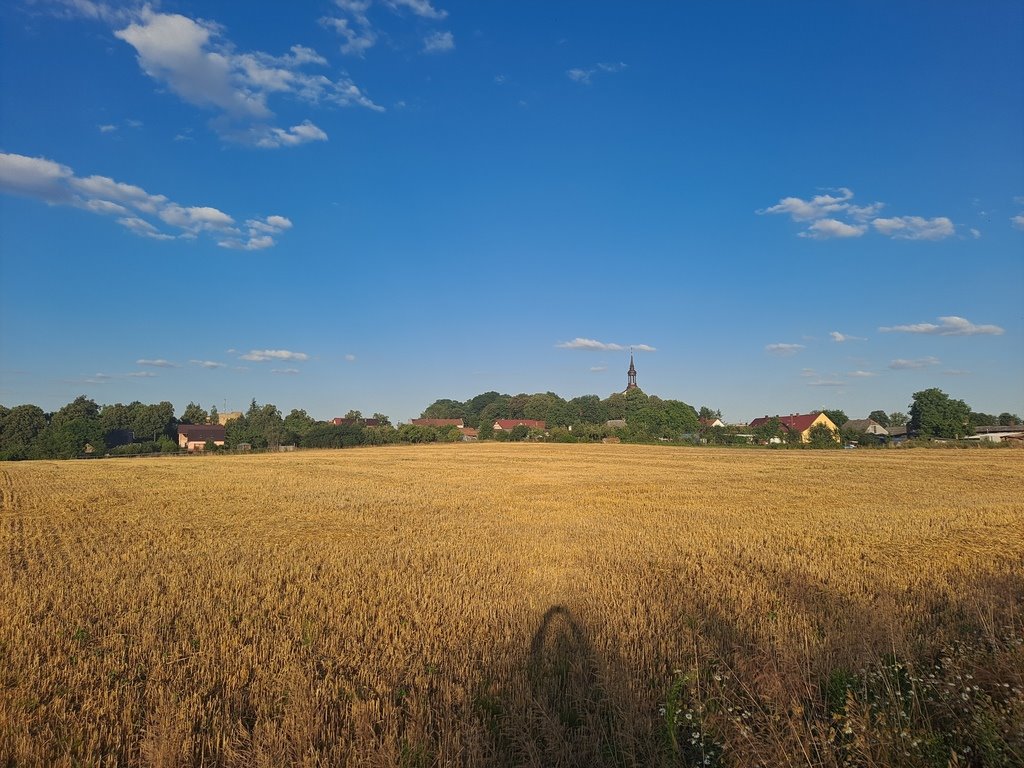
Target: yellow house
<point>800,423</point>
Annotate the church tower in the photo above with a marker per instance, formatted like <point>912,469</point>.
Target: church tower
<point>631,374</point>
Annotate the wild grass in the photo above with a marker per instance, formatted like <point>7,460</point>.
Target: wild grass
<point>514,605</point>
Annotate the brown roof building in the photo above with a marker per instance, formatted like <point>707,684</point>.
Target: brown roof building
<point>194,437</point>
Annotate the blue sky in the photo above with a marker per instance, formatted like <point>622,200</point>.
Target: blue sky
<point>372,204</point>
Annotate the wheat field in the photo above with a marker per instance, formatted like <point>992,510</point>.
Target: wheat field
<point>514,605</point>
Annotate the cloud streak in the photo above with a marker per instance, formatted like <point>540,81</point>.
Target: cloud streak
<point>585,75</point>
<point>781,349</point>
<point>263,355</point>
<point>950,325</point>
<point>901,364</point>
<point>138,211</point>
<point>602,346</point>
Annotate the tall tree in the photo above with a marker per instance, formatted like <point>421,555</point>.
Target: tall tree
<point>933,413</point>
<point>382,420</point>
<point>1007,419</point>
<point>194,414</point>
<point>897,419</point>
<point>837,416</point>
<point>22,426</point>
<point>881,417</point>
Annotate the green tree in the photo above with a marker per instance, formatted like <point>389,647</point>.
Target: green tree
<point>296,424</point>
<point>81,407</point>
<point>836,416</point>
<point>706,414</point>
<point>214,416</point>
<point>587,409</point>
<point>382,420</point>
<point>881,417</point>
<point>519,432</point>
<point>354,414</point>
<point>820,436</point>
<point>22,426</point>
<point>485,431</point>
<point>934,414</point>
<point>768,431</point>
<point>194,414</point>
<point>897,419</point>
<point>444,409</point>
<point>1007,419</point>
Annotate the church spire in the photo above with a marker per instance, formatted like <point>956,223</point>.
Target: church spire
<point>631,374</point>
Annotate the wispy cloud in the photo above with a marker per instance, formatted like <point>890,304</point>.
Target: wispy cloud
<point>956,372</point>
<point>138,211</point>
<point>915,227</point>
<point>285,371</point>
<point>195,61</point>
<point>901,364</point>
<point>861,374</point>
<point>157,363</point>
<point>827,211</point>
<point>141,375</point>
<point>947,326</point>
<point>209,364</point>
<point>826,383</point>
<point>782,349</point>
<point>839,338</point>
<point>602,346</point>
<point>598,368</point>
<point>263,355</point>
<point>585,74</point>
<point>350,358</point>
<point>438,42</point>
<point>1018,221</point>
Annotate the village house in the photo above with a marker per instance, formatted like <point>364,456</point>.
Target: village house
<point>438,423</point>
<point>866,426</point>
<point>340,422</point>
<point>708,423</point>
<point>501,424</point>
<point>194,437</point>
<point>800,424</point>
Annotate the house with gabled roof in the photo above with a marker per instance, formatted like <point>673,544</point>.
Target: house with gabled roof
<point>867,426</point>
<point>799,423</point>
<point>501,424</point>
<point>438,423</point>
<point>194,437</point>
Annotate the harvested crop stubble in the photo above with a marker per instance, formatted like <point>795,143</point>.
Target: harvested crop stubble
<point>514,604</point>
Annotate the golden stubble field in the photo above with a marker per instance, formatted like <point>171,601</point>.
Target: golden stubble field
<point>534,605</point>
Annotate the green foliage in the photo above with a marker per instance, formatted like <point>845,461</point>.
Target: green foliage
<point>485,430</point>
<point>382,420</point>
<point>21,426</point>
<point>519,432</point>
<point>934,414</point>
<point>194,414</point>
<point>881,417</point>
<point>820,436</point>
<point>1007,419</point>
<point>214,416</point>
<point>444,409</point>
<point>836,416</point>
<point>768,431</point>
<point>897,419</point>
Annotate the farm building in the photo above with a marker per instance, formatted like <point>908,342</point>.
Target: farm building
<point>438,423</point>
<point>799,423</point>
<point>867,426</point>
<point>194,437</point>
<point>501,424</point>
<point>340,422</point>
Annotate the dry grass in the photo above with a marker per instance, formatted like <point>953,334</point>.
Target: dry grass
<point>514,605</point>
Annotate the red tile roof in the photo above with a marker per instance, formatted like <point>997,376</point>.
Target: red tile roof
<point>797,422</point>
<point>437,422</point>
<point>511,423</point>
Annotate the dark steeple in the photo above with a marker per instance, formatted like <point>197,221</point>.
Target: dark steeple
<point>631,373</point>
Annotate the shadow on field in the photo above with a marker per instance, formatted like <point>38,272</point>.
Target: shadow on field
<point>566,718</point>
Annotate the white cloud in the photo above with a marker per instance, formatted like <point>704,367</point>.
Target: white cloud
<point>438,42</point>
<point>57,184</point>
<point>841,337</point>
<point>642,348</point>
<point>285,371</point>
<point>141,375</point>
<point>947,326</point>
<point>210,364</point>
<point>359,37</point>
<point>585,75</point>
<point>598,368</point>
<point>825,229</point>
<point>262,355</point>
<point>270,138</point>
<point>861,374</point>
<point>808,373</point>
<point>350,358</point>
<point>915,227</point>
<point>825,211</point>
<point>976,234</point>
<point>197,63</point>
<point>901,364</point>
<point>783,350</point>
<point>1018,221</point>
<point>815,208</point>
<point>107,128</point>
<point>421,8</point>
<point>592,344</point>
<point>826,383</point>
<point>158,363</point>
<point>956,372</point>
